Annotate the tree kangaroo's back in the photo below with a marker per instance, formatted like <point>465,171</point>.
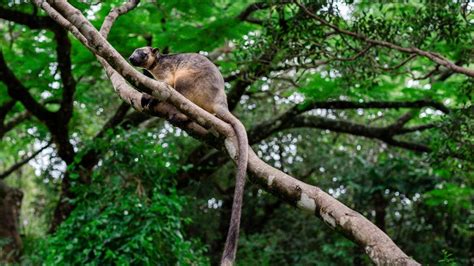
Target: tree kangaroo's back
<point>199,80</point>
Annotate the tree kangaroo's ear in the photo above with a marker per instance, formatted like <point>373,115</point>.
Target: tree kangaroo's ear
<point>155,50</point>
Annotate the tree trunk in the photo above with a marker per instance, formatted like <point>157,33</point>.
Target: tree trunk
<point>10,241</point>
<point>380,206</point>
<point>64,208</point>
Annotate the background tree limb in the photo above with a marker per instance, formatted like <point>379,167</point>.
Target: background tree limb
<point>435,57</point>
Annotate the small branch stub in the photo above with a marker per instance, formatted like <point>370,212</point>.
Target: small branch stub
<point>306,203</point>
<point>270,180</point>
<point>328,219</point>
<point>231,148</point>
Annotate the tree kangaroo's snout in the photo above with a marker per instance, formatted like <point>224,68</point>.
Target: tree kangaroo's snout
<point>143,57</point>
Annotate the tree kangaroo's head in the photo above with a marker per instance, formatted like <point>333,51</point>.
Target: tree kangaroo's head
<point>144,57</point>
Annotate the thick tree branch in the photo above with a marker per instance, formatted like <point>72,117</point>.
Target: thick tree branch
<point>63,52</point>
<point>435,57</point>
<point>17,91</point>
<point>31,21</point>
<point>286,120</point>
<point>370,105</point>
<point>293,119</point>
<point>24,161</point>
<point>385,134</point>
<point>377,244</point>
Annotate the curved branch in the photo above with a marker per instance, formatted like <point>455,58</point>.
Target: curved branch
<point>437,58</point>
<point>17,91</point>
<point>251,9</point>
<point>287,120</point>
<point>376,243</point>
<point>114,14</point>
<point>384,134</point>
<point>371,105</point>
<point>31,21</point>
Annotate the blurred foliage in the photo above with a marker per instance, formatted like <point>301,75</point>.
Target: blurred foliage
<point>133,212</point>
<point>129,214</point>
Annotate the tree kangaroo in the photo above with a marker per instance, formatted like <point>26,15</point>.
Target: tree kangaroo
<point>199,80</point>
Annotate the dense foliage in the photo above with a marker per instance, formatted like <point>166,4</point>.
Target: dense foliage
<point>387,133</point>
<point>126,211</point>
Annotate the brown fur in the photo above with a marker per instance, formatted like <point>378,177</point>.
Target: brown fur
<point>199,80</point>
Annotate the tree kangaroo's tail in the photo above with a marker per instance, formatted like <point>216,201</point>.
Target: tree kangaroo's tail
<point>230,248</point>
